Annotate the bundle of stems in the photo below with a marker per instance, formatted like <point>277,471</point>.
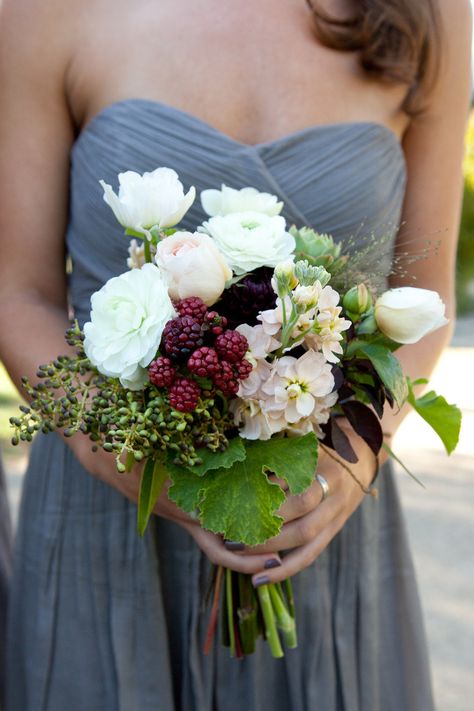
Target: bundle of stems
<point>247,613</point>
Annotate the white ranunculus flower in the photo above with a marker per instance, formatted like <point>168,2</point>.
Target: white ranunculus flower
<point>128,316</point>
<point>228,200</point>
<point>407,314</point>
<point>151,200</point>
<point>249,240</point>
<point>193,266</point>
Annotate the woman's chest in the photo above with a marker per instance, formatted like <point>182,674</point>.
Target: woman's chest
<point>254,71</point>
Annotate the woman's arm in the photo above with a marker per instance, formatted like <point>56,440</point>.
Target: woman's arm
<point>36,134</point>
<point>433,146</point>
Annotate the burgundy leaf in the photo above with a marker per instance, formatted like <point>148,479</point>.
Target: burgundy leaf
<point>341,443</point>
<point>365,422</point>
<point>376,397</point>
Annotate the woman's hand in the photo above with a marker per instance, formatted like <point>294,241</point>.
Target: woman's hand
<point>102,465</point>
<point>310,523</point>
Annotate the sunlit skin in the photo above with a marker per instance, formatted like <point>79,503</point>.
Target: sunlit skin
<point>256,73</point>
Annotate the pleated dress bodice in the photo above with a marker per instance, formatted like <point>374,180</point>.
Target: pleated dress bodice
<point>345,179</point>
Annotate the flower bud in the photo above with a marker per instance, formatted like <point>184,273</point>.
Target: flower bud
<point>306,297</point>
<point>284,278</point>
<point>357,300</point>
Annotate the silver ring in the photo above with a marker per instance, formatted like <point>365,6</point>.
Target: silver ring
<point>324,486</point>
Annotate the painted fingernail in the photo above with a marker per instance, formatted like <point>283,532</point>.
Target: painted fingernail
<point>260,580</point>
<point>272,563</point>
<point>234,546</point>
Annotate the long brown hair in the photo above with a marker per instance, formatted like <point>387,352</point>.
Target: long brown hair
<point>398,41</point>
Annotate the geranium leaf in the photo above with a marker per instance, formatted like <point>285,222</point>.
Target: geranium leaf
<point>388,369</point>
<point>444,418</point>
<point>240,502</point>
<point>293,459</point>
<point>234,452</point>
<point>186,489</point>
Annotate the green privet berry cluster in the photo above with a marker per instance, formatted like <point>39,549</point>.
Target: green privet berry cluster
<point>73,396</point>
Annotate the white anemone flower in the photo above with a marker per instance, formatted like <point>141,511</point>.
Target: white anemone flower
<point>149,201</point>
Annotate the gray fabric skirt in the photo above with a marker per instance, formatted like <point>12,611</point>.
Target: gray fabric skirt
<point>103,620</point>
<point>5,566</point>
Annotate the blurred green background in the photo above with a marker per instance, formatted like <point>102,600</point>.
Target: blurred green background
<point>465,268</point>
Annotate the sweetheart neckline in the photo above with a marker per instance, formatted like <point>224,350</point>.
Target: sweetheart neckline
<point>192,118</point>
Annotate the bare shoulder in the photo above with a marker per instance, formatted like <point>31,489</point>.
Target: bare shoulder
<point>36,32</point>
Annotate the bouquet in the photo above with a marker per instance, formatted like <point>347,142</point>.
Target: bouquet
<point>223,359</point>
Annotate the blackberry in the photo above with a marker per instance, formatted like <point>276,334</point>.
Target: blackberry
<point>226,380</point>
<point>181,336</point>
<point>161,372</point>
<point>184,394</point>
<point>204,362</point>
<point>244,368</point>
<point>215,322</point>
<point>192,306</point>
<point>231,346</point>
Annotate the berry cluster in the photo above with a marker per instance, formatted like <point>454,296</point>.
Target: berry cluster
<point>197,344</point>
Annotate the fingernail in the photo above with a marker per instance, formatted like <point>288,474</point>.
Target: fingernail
<point>272,563</point>
<point>260,580</point>
<point>234,546</point>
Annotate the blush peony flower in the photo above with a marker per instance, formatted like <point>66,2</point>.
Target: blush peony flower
<point>407,314</point>
<point>193,266</point>
<point>228,200</point>
<point>151,200</point>
<point>295,384</point>
<point>249,240</point>
<point>128,316</point>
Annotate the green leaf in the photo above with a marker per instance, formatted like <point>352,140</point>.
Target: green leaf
<point>388,369</point>
<point>293,459</point>
<point>186,489</point>
<point>240,503</point>
<point>152,481</point>
<point>444,418</point>
<point>235,452</point>
<point>239,500</point>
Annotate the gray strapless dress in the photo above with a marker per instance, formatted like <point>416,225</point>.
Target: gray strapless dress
<point>102,620</point>
<point>5,566</point>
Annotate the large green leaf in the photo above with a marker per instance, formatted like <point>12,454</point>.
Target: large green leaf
<point>444,418</point>
<point>241,502</point>
<point>152,481</point>
<point>293,459</point>
<point>186,489</point>
<point>234,452</point>
<point>388,369</point>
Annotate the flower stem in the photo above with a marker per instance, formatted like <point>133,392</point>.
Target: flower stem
<point>269,618</point>
<point>211,629</point>
<point>146,246</point>
<point>284,620</point>
<point>290,597</point>
<point>230,610</point>
<point>247,614</point>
